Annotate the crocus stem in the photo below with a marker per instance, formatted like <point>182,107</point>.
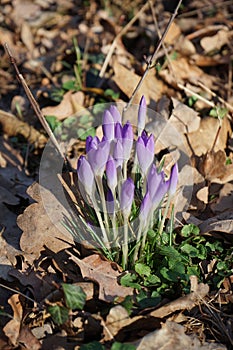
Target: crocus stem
<point>137,245</point>
<point>102,197</point>
<point>125,170</point>
<point>161,226</point>
<point>125,247</point>
<point>99,217</point>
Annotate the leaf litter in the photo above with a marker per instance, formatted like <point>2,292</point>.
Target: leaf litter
<point>38,259</point>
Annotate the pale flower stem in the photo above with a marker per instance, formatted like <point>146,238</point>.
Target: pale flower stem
<point>125,170</point>
<point>99,217</point>
<point>125,247</point>
<point>102,197</point>
<point>161,226</point>
<point>137,245</point>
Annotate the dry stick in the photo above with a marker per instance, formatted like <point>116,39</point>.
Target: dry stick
<point>119,35</point>
<point>34,104</point>
<point>152,58</point>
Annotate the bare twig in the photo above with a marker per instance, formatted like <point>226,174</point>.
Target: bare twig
<point>119,35</point>
<point>34,104</point>
<point>150,61</point>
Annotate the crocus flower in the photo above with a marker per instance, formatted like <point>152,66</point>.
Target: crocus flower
<point>118,131</point>
<point>141,115</point>
<point>118,153</point>
<point>160,193</point>
<point>173,180</point>
<point>145,208</point>
<point>145,152</point>
<point>111,173</point>
<point>110,202</point>
<point>108,126</point>
<point>91,142</point>
<point>115,114</point>
<point>98,157</point>
<point>154,180</point>
<point>127,196</point>
<point>127,140</point>
<point>85,175</point>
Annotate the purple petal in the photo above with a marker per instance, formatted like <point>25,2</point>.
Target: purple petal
<point>154,179</point>
<point>173,179</point>
<point>144,154</point>
<point>127,140</point>
<point>85,175</point>
<point>110,202</point>
<point>145,208</point>
<point>118,153</point>
<point>115,114</point>
<point>160,193</point>
<point>108,125</point>
<point>127,196</point>
<point>142,114</point>
<point>118,131</point>
<point>98,157</point>
<point>111,173</point>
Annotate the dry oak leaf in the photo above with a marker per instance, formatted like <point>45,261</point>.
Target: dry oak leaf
<point>127,80</point>
<point>172,336</point>
<point>105,273</point>
<point>38,230</point>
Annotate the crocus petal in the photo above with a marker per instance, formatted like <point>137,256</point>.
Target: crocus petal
<point>92,142</point>
<point>118,131</point>
<point>144,153</point>
<point>145,208</point>
<point>141,115</point>
<point>98,157</point>
<point>115,114</point>
<point>118,153</point>
<point>85,175</point>
<point>111,173</point>
<point>154,179</point>
<point>126,196</point>
<point>160,193</point>
<point>108,125</point>
<point>110,202</point>
<point>173,180</point>
<point>127,140</point>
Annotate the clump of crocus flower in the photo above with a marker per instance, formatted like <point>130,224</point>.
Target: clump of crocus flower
<point>122,185</point>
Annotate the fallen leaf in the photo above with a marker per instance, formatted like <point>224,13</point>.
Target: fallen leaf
<point>222,222</point>
<point>225,200</point>
<point>172,336</point>
<point>215,42</point>
<point>184,303</point>
<point>105,273</point>
<point>12,328</point>
<point>202,194</point>
<point>173,34</point>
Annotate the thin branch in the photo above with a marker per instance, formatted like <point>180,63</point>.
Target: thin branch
<point>153,57</point>
<point>34,104</point>
<point>18,292</point>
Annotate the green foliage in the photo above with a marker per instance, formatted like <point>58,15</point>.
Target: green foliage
<point>218,112</point>
<point>60,314</point>
<point>75,297</point>
<point>120,346</point>
<point>95,345</point>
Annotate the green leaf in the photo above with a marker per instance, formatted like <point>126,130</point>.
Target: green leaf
<point>94,345</point>
<point>169,275</point>
<point>171,253</point>
<point>59,314</point>
<point>69,85</point>
<point>193,270</point>
<point>189,230</point>
<point>74,296</point>
<point>142,269</point>
<point>52,121</point>
<point>86,118</point>
<point>120,346</point>
<point>190,250</point>
<point>82,134</point>
<point>153,280</point>
<point>128,280</point>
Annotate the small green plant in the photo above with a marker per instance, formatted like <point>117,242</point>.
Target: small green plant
<point>74,299</point>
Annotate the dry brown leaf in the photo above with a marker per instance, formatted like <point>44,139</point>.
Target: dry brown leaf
<point>28,340</point>
<point>202,140</point>
<point>12,328</point>
<point>184,118</point>
<point>71,103</point>
<point>27,37</point>
<point>220,223</point>
<point>184,303</point>
<point>172,336</point>
<point>173,34</point>
<point>215,42</point>
<point>12,126</point>
<point>105,273</point>
<point>38,230</point>
<point>127,80</point>
<point>225,200</point>
<point>202,194</point>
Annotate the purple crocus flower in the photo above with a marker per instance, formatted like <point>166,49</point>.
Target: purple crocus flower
<point>145,208</point>
<point>141,115</point>
<point>111,173</point>
<point>160,193</point>
<point>115,114</point>
<point>108,125</point>
<point>154,180</point>
<point>145,151</point>
<point>118,153</point>
<point>91,142</point>
<point>118,131</point>
<point>127,140</point>
<point>98,157</point>
<point>173,180</point>
<point>127,196</point>
<point>110,202</point>
<point>85,175</point>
